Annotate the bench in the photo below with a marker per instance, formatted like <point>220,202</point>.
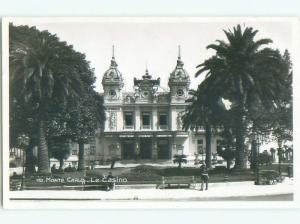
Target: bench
<point>178,181</point>
<point>100,184</point>
<point>15,184</point>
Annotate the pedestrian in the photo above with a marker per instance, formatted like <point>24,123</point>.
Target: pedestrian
<point>204,177</point>
<point>53,168</point>
<point>111,182</point>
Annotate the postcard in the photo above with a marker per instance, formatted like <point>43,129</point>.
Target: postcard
<point>149,112</point>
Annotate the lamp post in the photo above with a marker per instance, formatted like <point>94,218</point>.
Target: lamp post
<point>257,159</point>
<point>23,142</point>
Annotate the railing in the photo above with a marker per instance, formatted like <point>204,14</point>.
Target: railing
<point>146,126</point>
<point>129,127</point>
<point>163,127</point>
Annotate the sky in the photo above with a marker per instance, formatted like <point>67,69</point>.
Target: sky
<point>153,44</point>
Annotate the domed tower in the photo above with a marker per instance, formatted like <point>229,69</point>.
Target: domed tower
<point>179,81</point>
<point>112,81</point>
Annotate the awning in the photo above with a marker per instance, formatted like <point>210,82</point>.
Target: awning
<point>181,134</point>
<point>164,135</point>
<point>145,136</point>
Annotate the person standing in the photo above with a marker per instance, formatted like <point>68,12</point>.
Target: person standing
<point>204,177</point>
<point>111,182</point>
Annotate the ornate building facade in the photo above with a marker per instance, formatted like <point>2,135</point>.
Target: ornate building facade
<point>146,124</point>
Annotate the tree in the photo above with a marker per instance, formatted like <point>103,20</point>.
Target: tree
<point>22,123</point>
<point>86,118</point>
<point>276,122</point>
<point>180,159</point>
<point>281,122</point>
<point>204,112</point>
<point>248,74</point>
<point>60,149</point>
<point>42,69</point>
<point>264,158</point>
<point>87,114</point>
<point>227,154</point>
<point>227,149</point>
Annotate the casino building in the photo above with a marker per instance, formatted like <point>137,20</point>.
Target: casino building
<point>145,125</point>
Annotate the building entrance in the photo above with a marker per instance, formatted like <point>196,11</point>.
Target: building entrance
<point>145,148</point>
<point>163,148</point>
<point>128,150</point>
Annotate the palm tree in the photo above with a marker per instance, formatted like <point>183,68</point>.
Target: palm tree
<point>203,112</point>
<point>244,70</point>
<point>180,159</point>
<point>41,71</point>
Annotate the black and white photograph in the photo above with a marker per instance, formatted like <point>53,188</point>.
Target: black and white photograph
<point>146,111</point>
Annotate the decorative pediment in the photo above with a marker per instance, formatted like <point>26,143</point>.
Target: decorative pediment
<point>129,98</point>
<point>146,87</point>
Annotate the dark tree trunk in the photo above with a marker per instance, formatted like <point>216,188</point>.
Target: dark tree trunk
<point>30,160</point>
<point>43,156</point>
<point>253,158</point>
<point>179,164</point>
<point>81,159</point>
<point>240,160</point>
<point>61,164</point>
<point>228,164</point>
<point>208,146</point>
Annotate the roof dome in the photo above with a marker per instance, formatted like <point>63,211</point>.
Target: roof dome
<point>113,74</point>
<point>179,73</point>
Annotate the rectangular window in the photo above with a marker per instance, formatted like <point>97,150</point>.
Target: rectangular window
<point>200,148</point>
<point>128,118</point>
<point>163,121</point>
<point>146,120</point>
<point>74,152</point>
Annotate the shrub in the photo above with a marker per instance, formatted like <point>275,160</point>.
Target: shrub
<point>220,169</point>
<point>142,172</point>
<point>70,169</point>
<point>12,165</point>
